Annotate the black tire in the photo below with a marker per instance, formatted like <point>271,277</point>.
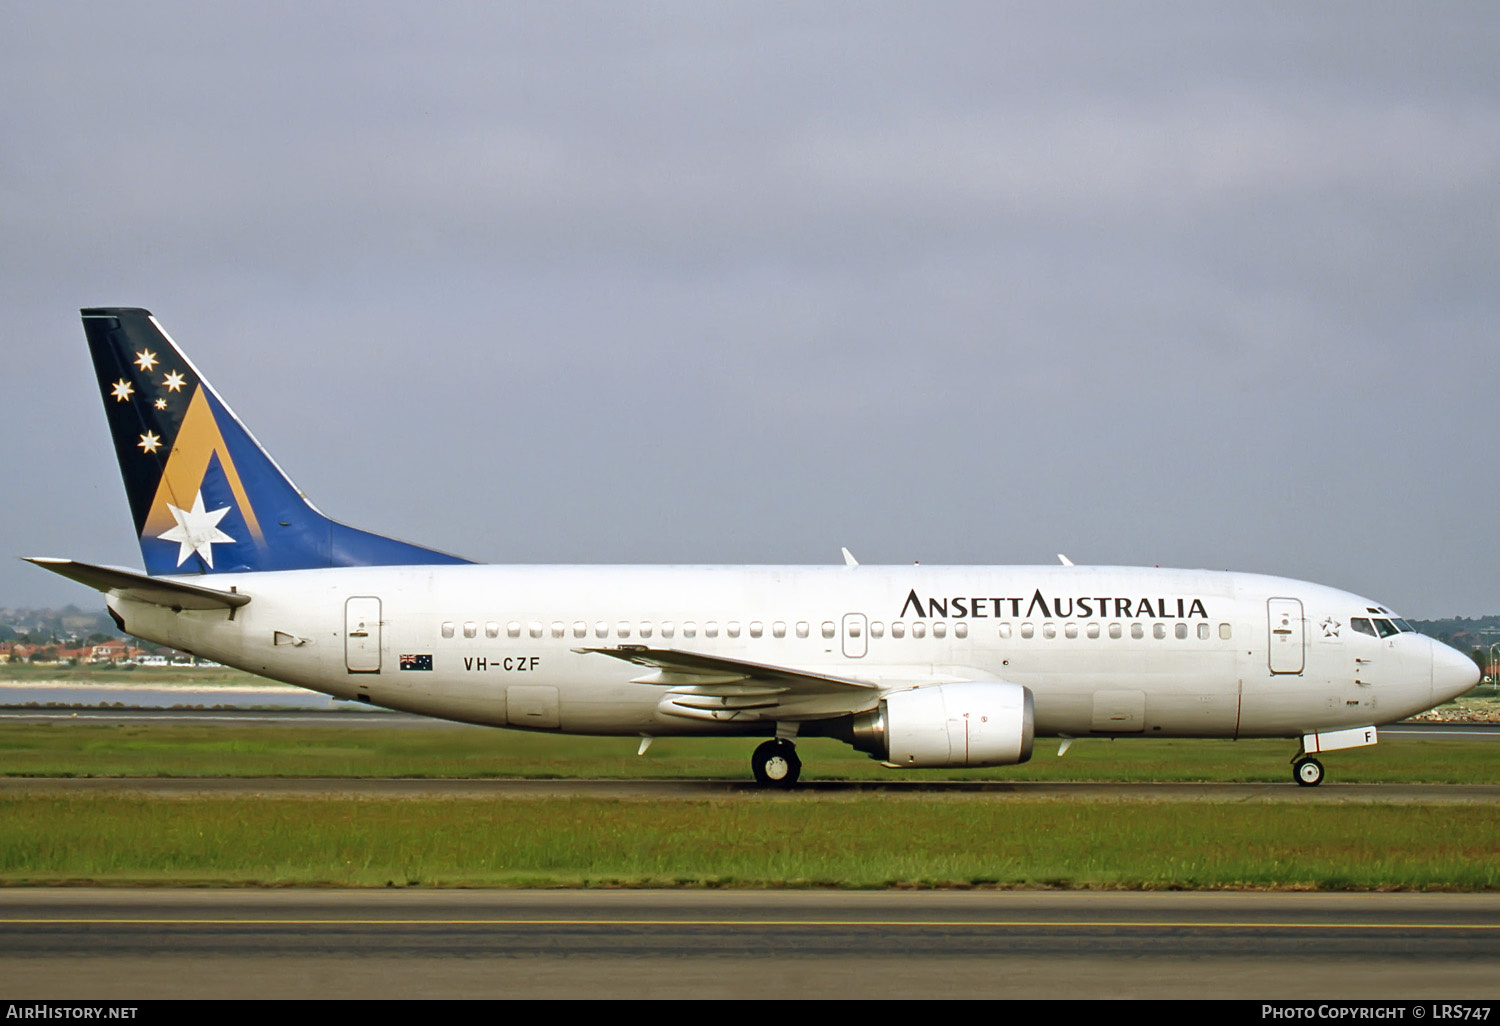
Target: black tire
<point>775,764</point>
<point>1307,772</point>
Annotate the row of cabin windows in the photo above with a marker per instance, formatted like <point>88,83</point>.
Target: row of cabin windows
<point>1117,630</point>
<point>828,629</point>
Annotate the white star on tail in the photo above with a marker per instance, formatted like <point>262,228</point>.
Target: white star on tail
<point>122,390</point>
<point>197,530</point>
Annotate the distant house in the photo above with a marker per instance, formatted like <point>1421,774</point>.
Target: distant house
<point>109,652</point>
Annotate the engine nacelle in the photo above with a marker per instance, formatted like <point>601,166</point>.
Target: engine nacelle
<point>973,723</point>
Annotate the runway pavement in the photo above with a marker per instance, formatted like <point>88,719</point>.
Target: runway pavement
<point>142,944</point>
<point>313,787</point>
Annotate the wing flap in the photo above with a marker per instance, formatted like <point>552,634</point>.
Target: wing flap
<point>693,669</point>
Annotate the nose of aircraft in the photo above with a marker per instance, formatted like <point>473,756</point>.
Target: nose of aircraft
<point>1453,673</point>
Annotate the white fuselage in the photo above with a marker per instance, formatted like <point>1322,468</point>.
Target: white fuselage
<point>1104,650</point>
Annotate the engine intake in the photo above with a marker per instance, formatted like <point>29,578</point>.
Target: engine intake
<point>974,723</point>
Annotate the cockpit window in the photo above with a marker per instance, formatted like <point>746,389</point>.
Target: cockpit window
<point>1402,625</point>
<point>1362,625</point>
<point>1385,627</point>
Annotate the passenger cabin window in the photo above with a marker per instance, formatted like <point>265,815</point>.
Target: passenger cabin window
<point>690,629</point>
<point>601,629</point>
<point>960,630</point>
<point>534,629</point>
<point>492,629</point>
<point>1203,632</point>
<point>1005,630</point>
<point>939,630</point>
<point>756,628</point>
<point>854,630</point>
<point>778,629</point>
<point>828,629</point>
<point>1093,630</point>
<point>513,629</point>
<point>559,628</point>
<point>1159,631</point>
<point>580,629</point>
<point>711,630</point>
<point>470,628</point>
<point>1049,630</point>
<point>645,629</point>
<point>732,628</point>
<point>1137,631</point>
<point>802,628</point>
<point>1181,631</point>
<point>1027,630</point>
<point>1225,631</point>
<point>668,628</point>
<point>898,629</point>
<point>877,629</point>
<point>1070,630</point>
<point>1115,630</point>
<point>622,629</point>
<point>919,630</point>
<point>447,628</point>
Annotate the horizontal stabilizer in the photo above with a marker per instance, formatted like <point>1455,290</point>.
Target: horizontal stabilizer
<point>140,588</point>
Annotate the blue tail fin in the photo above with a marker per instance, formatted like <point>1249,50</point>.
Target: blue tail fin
<point>205,496</point>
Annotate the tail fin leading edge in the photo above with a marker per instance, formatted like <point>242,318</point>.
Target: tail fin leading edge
<point>206,498</point>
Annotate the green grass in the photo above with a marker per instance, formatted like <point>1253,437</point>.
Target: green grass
<point>373,749</point>
<point>756,841</point>
<point>146,676</point>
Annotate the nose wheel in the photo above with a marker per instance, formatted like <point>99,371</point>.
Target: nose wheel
<point>775,764</point>
<point>1307,772</point>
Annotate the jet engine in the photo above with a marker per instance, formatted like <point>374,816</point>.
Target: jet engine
<point>972,723</point>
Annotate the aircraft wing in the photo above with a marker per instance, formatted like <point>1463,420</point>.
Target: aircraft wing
<point>717,688</point>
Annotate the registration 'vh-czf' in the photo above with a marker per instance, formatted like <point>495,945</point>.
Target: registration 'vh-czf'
<point>918,666</point>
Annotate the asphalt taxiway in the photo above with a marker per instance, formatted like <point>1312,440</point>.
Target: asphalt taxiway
<point>124,944</point>
<point>404,787</point>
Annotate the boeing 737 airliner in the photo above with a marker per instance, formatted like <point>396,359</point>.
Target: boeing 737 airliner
<point>918,666</point>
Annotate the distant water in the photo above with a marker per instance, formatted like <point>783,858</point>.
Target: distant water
<point>49,693</point>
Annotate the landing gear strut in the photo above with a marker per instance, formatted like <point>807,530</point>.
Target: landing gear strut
<point>1307,772</point>
<point>775,763</point>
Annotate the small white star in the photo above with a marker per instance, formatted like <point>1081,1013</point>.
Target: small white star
<point>122,390</point>
<point>1330,628</point>
<point>197,530</point>
<point>173,381</point>
<point>161,404</point>
<point>145,359</point>
<point>149,442</point>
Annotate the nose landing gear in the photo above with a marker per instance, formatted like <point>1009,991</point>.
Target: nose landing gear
<point>1307,772</point>
<point>775,764</point>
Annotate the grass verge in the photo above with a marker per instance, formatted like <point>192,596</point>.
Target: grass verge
<point>372,749</point>
<point>756,842</point>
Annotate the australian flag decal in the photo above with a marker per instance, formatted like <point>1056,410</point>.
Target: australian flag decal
<point>416,662</point>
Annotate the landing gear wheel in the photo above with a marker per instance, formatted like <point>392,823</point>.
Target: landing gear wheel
<point>1308,772</point>
<point>775,764</point>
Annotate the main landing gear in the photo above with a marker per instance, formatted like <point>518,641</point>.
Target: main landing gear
<point>1307,771</point>
<point>775,763</point>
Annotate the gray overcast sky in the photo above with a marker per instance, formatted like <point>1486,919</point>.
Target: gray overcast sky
<point>1180,284</point>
